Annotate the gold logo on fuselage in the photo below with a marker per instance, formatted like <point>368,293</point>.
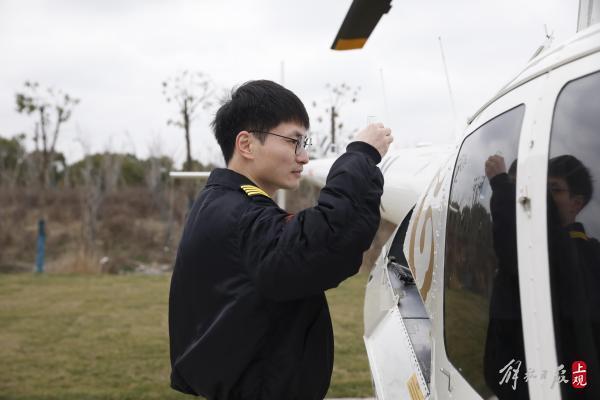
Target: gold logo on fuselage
<point>428,218</point>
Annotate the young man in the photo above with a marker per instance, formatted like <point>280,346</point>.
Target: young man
<point>248,318</point>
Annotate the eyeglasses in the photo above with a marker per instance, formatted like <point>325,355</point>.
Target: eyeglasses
<point>556,189</point>
<point>302,143</point>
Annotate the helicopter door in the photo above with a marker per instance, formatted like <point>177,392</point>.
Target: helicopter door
<point>573,229</point>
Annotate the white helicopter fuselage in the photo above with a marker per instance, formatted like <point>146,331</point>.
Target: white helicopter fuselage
<point>419,343</point>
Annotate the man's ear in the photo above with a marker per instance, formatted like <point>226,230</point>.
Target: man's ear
<point>577,203</point>
<point>244,143</point>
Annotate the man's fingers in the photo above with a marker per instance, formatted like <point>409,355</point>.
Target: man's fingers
<point>377,135</point>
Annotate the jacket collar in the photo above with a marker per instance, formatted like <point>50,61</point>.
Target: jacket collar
<point>576,231</point>
<point>229,178</point>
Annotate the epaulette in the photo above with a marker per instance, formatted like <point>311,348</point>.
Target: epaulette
<point>252,190</point>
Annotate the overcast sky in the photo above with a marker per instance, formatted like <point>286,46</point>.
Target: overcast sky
<point>113,55</point>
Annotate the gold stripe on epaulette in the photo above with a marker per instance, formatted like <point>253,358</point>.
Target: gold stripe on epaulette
<point>578,235</point>
<point>254,191</point>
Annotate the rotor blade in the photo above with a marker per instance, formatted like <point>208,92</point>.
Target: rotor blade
<point>360,21</point>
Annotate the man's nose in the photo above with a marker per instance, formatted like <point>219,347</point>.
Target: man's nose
<point>302,156</point>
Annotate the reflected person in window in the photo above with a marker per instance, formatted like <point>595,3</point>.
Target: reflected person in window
<point>504,340</point>
<point>570,187</point>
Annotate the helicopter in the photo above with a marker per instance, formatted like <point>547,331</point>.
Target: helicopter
<point>487,287</point>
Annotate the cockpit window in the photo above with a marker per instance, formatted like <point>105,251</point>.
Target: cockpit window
<point>573,200</point>
<point>482,314</point>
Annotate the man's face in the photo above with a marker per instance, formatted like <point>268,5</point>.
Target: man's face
<point>567,203</point>
<point>277,166</point>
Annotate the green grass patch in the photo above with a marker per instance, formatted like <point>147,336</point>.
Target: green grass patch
<point>106,337</point>
<point>351,376</point>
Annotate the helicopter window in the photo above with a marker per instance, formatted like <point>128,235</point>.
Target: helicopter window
<point>573,231</point>
<point>482,315</point>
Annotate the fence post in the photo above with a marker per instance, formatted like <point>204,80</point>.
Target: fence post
<point>41,246</point>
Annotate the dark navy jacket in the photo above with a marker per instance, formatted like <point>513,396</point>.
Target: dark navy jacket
<point>248,318</point>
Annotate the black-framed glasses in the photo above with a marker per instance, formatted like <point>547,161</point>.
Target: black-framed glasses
<point>300,144</point>
<point>556,189</point>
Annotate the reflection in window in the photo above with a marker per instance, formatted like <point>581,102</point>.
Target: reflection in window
<point>573,230</point>
<point>482,316</point>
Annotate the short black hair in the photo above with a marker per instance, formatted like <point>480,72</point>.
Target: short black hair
<point>573,171</point>
<point>258,105</point>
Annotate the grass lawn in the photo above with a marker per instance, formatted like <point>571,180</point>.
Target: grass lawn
<point>106,337</point>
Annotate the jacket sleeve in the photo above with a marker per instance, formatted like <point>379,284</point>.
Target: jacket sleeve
<point>294,257</point>
<point>504,225</point>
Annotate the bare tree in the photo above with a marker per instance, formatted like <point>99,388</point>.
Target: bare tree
<point>12,158</point>
<point>156,178</point>
<point>100,175</point>
<point>337,96</point>
<point>52,108</point>
<point>189,91</point>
